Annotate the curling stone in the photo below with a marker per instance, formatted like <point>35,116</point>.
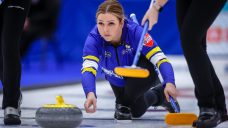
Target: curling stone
<point>59,115</point>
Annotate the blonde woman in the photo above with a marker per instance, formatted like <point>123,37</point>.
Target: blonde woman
<point>113,42</point>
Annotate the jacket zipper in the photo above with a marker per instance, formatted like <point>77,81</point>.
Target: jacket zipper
<point>117,57</point>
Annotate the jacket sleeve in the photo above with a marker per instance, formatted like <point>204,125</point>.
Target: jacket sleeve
<point>90,64</point>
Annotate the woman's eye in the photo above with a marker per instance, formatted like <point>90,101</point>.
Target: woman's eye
<point>111,23</point>
<point>100,23</point>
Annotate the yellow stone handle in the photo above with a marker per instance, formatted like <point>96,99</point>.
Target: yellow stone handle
<point>59,103</point>
<point>59,100</point>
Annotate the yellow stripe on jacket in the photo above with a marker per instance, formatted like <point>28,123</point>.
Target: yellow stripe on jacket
<point>162,61</point>
<point>152,52</point>
<point>91,58</point>
<point>89,69</point>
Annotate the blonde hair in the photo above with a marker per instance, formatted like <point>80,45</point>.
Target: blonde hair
<point>111,6</point>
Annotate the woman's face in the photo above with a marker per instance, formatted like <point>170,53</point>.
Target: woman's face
<point>110,27</point>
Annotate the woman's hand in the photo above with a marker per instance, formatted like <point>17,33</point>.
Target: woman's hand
<point>170,90</point>
<point>153,12</point>
<point>91,101</point>
<point>152,16</point>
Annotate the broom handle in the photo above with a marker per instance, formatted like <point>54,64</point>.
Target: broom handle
<point>138,52</point>
<point>133,18</point>
<point>141,41</point>
<point>173,104</point>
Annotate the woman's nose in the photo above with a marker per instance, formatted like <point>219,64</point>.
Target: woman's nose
<point>106,29</point>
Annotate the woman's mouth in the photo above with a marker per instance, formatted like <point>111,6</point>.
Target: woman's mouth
<point>107,35</point>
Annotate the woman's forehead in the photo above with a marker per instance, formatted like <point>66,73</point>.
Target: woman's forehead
<point>107,17</point>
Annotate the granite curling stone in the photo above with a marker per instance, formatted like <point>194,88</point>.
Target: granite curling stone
<point>59,115</point>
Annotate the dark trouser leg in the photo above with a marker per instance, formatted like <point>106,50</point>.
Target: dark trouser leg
<point>134,94</point>
<point>14,13</point>
<point>219,93</point>
<point>193,23</point>
<point>119,94</point>
<point>1,23</point>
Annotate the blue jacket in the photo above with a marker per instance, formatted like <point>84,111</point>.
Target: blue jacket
<point>99,53</point>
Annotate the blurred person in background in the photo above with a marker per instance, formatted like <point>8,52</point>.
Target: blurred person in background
<point>113,42</point>
<point>194,17</point>
<point>40,23</point>
<point>12,18</point>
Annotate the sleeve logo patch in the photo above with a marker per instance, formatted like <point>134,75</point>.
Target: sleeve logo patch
<point>148,41</point>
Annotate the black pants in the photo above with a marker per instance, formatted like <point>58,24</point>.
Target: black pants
<point>12,17</point>
<point>194,18</point>
<point>135,93</point>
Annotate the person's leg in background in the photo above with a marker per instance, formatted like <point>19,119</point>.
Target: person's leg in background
<point>220,100</point>
<point>194,18</point>
<point>13,16</point>
<point>1,63</point>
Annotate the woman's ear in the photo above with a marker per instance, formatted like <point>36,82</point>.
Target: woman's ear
<point>122,22</point>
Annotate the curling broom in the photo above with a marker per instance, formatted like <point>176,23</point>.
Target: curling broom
<point>133,70</point>
<point>178,118</point>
